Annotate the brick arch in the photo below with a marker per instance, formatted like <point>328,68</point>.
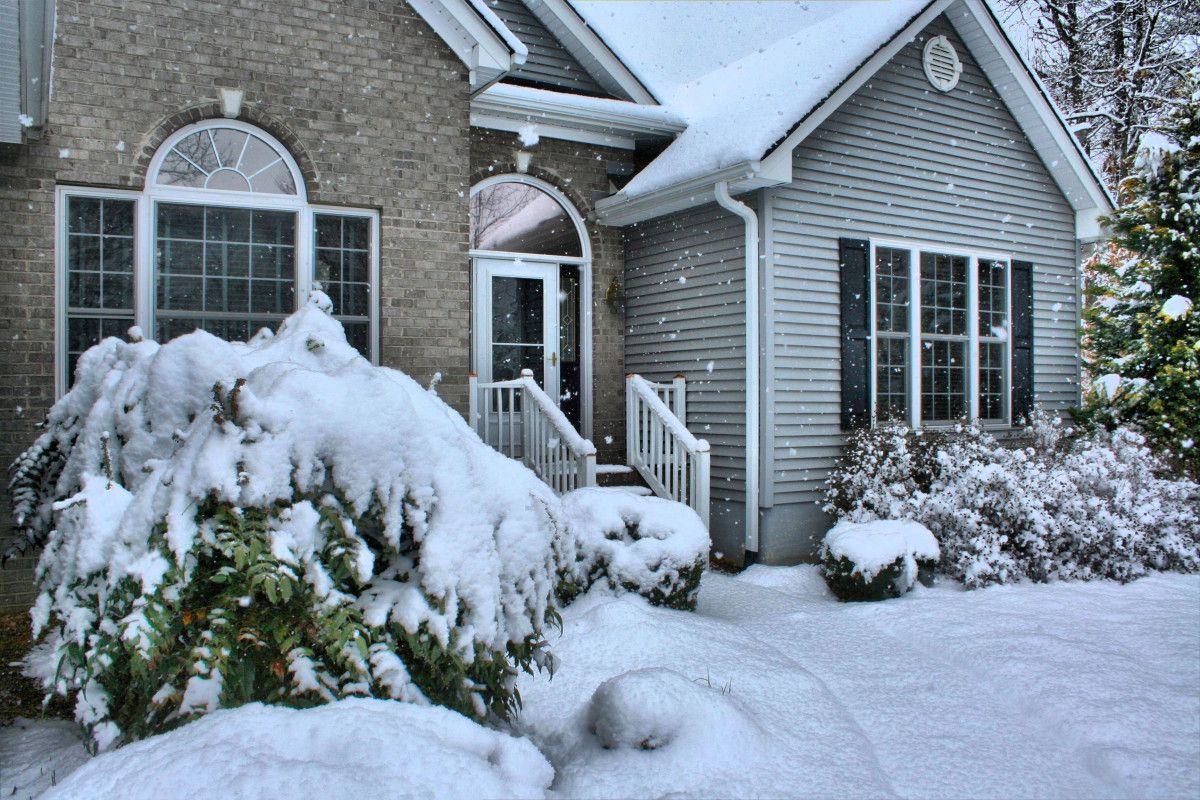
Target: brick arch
<point>211,110</point>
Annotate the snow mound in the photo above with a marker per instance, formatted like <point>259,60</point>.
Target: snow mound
<point>655,547</point>
<point>871,546</point>
<point>364,749</point>
<point>649,709</point>
<point>36,754</point>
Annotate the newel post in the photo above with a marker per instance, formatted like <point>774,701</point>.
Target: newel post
<point>679,397</point>
<point>631,432</point>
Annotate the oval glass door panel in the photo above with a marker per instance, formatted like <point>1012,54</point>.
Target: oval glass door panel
<point>518,327</point>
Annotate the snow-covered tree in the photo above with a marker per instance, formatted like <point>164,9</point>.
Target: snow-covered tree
<point>1113,66</point>
<point>1142,334</point>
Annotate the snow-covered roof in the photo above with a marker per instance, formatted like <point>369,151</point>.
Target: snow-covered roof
<point>752,79</point>
<point>741,74</point>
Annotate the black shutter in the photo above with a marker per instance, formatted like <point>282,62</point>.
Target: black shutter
<point>1022,336</point>
<point>856,332</point>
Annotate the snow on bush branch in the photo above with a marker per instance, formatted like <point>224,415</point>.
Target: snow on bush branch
<point>1074,505</point>
<point>276,520</point>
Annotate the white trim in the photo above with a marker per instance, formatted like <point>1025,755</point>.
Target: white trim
<point>589,49</point>
<point>591,120</point>
<point>584,262</point>
<point>481,41</point>
<point>914,249</point>
<point>619,209</point>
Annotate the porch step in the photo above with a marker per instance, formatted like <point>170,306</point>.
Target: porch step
<point>619,475</point>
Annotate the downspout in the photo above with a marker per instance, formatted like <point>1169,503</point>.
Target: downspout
<point>750,250</point>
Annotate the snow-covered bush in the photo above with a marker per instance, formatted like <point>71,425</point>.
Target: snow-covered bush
<point>276,520</point>
<point>876,560</point>
<point>358,748</point>
<point>649,709</point>
<point>1074,505</point>
<point>655,547</point>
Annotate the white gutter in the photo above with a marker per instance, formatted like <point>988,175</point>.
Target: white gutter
<point>750,250</point>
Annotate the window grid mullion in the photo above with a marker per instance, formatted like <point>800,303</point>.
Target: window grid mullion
<point>914,341</point>
<point>973,338</point>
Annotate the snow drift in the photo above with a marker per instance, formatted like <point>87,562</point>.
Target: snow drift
<point>365,749</point>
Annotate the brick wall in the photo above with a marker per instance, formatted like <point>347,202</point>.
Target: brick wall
<point>369,100</point>
<point>578,170</point>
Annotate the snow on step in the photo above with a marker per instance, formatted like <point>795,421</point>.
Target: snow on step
<point>613,469</point>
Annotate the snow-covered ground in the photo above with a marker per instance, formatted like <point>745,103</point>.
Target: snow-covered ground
<point>772,688</point>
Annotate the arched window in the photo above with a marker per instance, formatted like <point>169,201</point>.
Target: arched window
<point>222,238</point>
<point>520,216</point>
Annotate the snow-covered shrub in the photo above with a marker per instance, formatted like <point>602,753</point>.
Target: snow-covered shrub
<point>649,709</point>
<point>277,520</point>
<point>1074,505</point>
<point>876,560</point>
<point>356,748</point>
<point>655,547</point>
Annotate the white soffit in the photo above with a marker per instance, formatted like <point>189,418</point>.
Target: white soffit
<point>480,40</point>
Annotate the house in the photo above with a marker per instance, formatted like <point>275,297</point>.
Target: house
<point>816,214</point>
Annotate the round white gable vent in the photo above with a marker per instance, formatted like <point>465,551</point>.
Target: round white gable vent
<point>942,66</point>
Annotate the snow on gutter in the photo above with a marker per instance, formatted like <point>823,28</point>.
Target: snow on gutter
<point>617,123</point>
<point>750,257</point>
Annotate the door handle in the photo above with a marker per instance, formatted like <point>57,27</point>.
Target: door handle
<point>554,359</point>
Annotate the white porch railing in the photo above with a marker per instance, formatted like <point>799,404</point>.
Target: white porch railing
<point>520,420</point>
<point>673,462</point>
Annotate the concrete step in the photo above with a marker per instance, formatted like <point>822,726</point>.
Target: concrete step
<point>618,475</point>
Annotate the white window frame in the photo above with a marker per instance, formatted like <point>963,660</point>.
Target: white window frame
<point>914,249</point>
<point>145,235</point>
<point>584,262</point>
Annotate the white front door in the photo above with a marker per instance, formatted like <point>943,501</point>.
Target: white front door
<point>517,321</point>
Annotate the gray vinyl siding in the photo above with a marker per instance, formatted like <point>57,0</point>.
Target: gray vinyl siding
<point>901,160</point>
<point>549,63</point>
<point>10,72</point>
<point>685,310</point>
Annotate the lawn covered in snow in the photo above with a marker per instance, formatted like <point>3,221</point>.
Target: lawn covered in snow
<point>1059,690</point>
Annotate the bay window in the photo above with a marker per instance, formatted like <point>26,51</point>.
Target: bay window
<point>222,239</point>
<point>940,334</point>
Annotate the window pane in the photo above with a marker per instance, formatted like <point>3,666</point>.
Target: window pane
<point>517,312</point>
<point>520,218</point>
<point>100,253</point>
<point>342,269</point>
<point>83,332</point>
<point>993,299</point>
<point>233,269</point>
<point>943,380</point>
<point>943,294</point>
<point>992,356</point>
<point>891,378</point>
<point>891,290</point>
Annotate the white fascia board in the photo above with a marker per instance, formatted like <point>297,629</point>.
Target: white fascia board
<point>778,161</point>
<point>482,49</point>
<point>615,123</point>
<point>1030,104</point>
<point>620,210</point>
<point>589,49</point>
<point>483,119</point>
